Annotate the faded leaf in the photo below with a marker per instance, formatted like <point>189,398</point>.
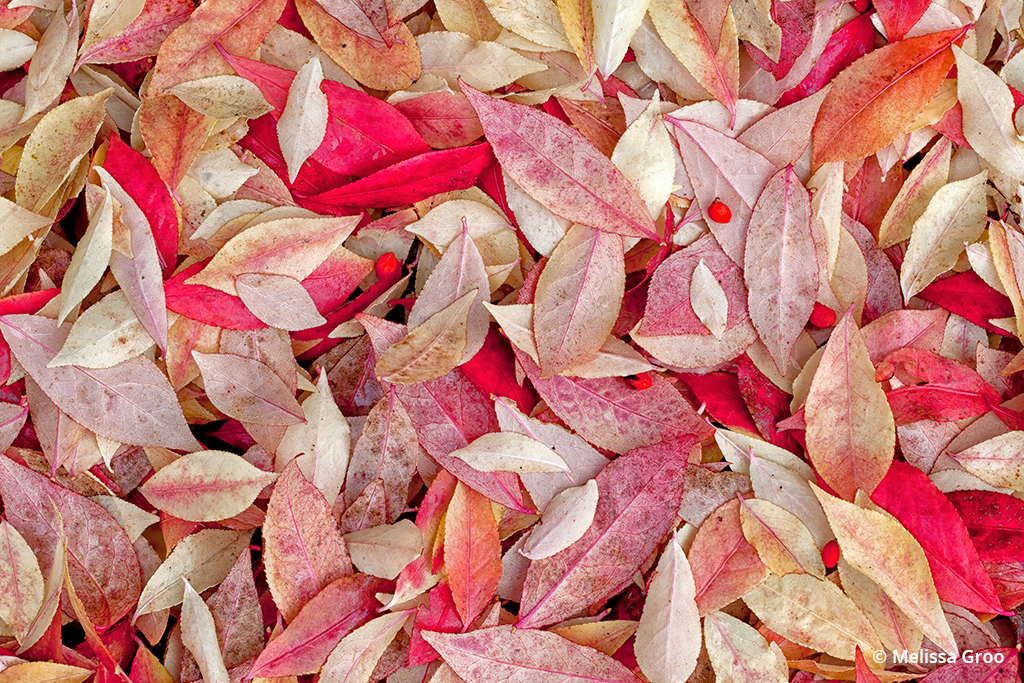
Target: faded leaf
<point>566,518</point>
<point>303,123</point>
<point>708,299</point>
<point>355,657</point>
<point>510,452</point>
<point>247,389</point>
<point>199,635</point>
<point>385,551</point>
<point>758,660</point>
<point>21,580</point>
<point>222,97</point>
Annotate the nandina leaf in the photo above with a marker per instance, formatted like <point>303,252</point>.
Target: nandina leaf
<point>995,522</point>
<point>561,169</point>
<point>409,181</point>
<point>956,568</point>
<point>304,646</point>
<point>507,654</point>
<point>948,390</point>
<point>131,403</point>
<point>472,552</point>
<point>724,563</point>
<point>106,576</point>
<point>140,180</point>
<point>303,549</point>
<point>638,490</point>
<point>879,96</point>
<point>850,430</point>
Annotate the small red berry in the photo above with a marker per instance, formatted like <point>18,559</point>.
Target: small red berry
<point>719,212</point>
<point>822,316</point>
<point>830,554</point>
<point>641,381</point>
<point>386,266</point>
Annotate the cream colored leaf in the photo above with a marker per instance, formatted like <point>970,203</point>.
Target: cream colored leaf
<point>535,20</point>
<point>16,224</point>
<point>483,65</point>
<point>91,257</point>
<point>782,541</point>
<point>708,300</point>
<point>220,172</point>
<point>645,156</point>
<point>955,216</point>
<point>565,519</point>
<point>881,548</point>
<point>199,635</point>
<point>813,613</point>
<point>615,22</point>
<point>915,194</point>
<point>509,452</point>
<point>279,301</point>
<point>106,334</point>
<point>108,18</point>
<point>740,654</point>
<point>204,558</point>
<point>53,62</point>
<point>21,582</point>
<point>356,656</point>
<point>755,25</point>
<point>206,486</point>
<point>288,246</point>
<point>442,225</point>
<point>615,358</point>
<point>988,115</point>
<point>44,672</point>
<point>133,519</point>
<point>303,124</point>
<point>385,550</point>
<point>668,637</point>
<point>223,97</point>
<point>432,349</point>
<point>542,228</point>
<point>998,460</point>
<point>516,321</point>
<point>468,16</point>
<point>16,48</point>
<point>894,628</point>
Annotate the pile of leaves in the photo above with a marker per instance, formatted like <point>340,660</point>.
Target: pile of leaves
<point>511,341</point>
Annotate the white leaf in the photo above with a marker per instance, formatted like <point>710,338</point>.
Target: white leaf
<point>356,656</point>
<point>510,452</point>
<point>615,22</point>
<point>708,299</point>
<point>106,334</point>
<point>385,550</point>
<point>279,301</point>
<point>566,518</point>
<point>199,635</point>
<point>303,124</point>
<point>483,65</point>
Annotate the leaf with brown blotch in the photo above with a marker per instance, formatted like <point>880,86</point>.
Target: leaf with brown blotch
<point>472,552</point>
<point>431,349</point>
<point>247,389</point>
<point>780,265</point>
<point>190,53</point>
<point>303,549</point>
<point>851,433</point>
<point>881,548</point>
<point>131,403</point>
<point>577,298</point>
<point>725,566</point>
<point>107,576</point>
<point>279,301</point>
<point>21,582</point>
<point>758,660</point>
<point>814,613</point>
<point>374,63</point>
<point>668,636</point>
<point>204,558</point>
<point>58,142</point>
<point>199,635</point>
<point>878,97</point>
<point>560,168</point>
<point>304,646</point>
<point>508,654</point>
<point>206,486</point>
<point>640,490</point>
<point>288,246</point>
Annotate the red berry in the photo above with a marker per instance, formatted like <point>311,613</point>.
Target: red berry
<point>822,316</point>
<point>387,265</point>
<point>641,381</point>
<point>830,554</point>
<point>719,212</point>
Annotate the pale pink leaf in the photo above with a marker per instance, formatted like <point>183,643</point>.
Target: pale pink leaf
<point>303,123</point>
<point>21,581</point>
<point>247,389</point>
<point>199,635</point>
<point>279,301</point>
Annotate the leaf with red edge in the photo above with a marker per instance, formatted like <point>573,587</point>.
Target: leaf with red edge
<point>408,181</point>
<point>719,392</point>
<point>768,404</point>
<point>560,168</point>
<point>472,552</point>
<point>304,646</point>
<point>106,575</point>
<point>638,497</point>
<point>796,19</point>
<point>940,388</point>
<point>956,568</point>
<point>995,522</point>
<point>879,96</point>
<point>855,39</point>
<point>508,654</point>
<point>303,548</point>
<point>142,37</point>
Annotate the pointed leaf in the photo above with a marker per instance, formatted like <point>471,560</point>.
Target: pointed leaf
<point>303,123</point>
<point>472,552</point>
<point>247,389</point>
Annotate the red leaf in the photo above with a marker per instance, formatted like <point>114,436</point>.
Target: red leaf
<point>638,497</point>
<point>950,391</point>
<point>796,19</point>
<point>438,615</point>
<point>720,394</point>
<point>409,181</point>
<point>899,16</point>
<point>725,566</point>
<point>208,305</point>
<point>968,295</point>
<point>472,552</point>
<point>995,522</point>
<point>927,514</point>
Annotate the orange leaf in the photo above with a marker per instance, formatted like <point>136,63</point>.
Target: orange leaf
<point>472,552</point>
